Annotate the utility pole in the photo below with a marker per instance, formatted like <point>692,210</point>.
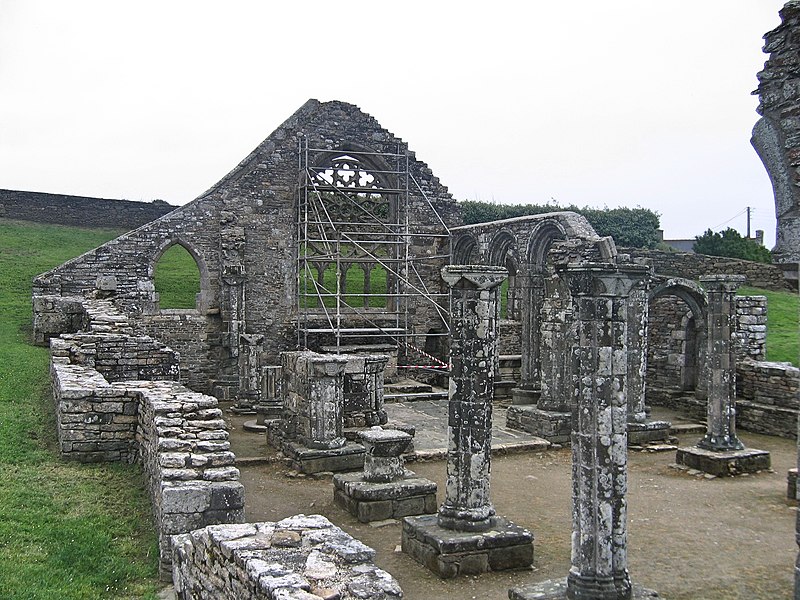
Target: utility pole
<point>748,222</point>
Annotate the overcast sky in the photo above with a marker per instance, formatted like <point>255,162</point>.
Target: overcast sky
<point>614,103</point>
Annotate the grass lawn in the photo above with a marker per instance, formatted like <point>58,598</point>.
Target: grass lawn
<point>783,326</point>
<point>67,531</point>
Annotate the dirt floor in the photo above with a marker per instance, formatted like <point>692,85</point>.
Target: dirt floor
<point>689,537</point>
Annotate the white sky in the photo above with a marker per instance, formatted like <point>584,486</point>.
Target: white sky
<point>614,103</point>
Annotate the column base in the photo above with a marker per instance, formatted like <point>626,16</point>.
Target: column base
<point>649,431</point>
<point>723,464</point>
<point>349,457</point>
<point>368,501</point>
<point>524,396</point>
<point>254,427</point>
<point>555,427</point>
<point>451,553</point>
<point>556,589</point>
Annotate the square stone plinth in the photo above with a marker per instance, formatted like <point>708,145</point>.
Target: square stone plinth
<point>451,553</point>
<point>369,501</point>
<point>556,589</point>
<point>555,427</point>
<point>650,431</point>
<point>349,457</point>
<point>723,464</point>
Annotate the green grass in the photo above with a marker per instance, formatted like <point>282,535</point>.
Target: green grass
<point>177,279</point>
<point>354,282</point>
<point>67,531</point>
<point>783,326</point>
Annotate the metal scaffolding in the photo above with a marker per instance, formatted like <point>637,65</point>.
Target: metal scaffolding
<point>357,274</point>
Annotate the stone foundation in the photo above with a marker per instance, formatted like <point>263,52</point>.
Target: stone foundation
<point>723,464</point>
<point>555,427</point>
<point>449,553</point>
<point>370,501</point>
<point>647,432</point>
<point>557,590</point>
<point>349,457</point>
<point>299,558</point>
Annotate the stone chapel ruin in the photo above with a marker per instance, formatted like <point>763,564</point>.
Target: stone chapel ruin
<point>333,261</point>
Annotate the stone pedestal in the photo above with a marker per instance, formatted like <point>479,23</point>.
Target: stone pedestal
<point>363,391</point>
<point>599,372</point>
<point>313,435</point>
<point>270,405</point>
<point>557,590</point>
<point>458,540</point>
<point>720,452</point>
<point>385,490</point>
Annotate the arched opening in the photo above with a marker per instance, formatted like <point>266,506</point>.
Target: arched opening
<point>465,250</point>
<point>177,279</point>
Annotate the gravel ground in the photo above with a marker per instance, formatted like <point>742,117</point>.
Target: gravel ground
<point>689,537</point>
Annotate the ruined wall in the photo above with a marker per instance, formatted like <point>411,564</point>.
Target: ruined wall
<point>242,233</point>
<point>776,136</point>
<point>302,557</point>
<point>768,397</point>
<point>692,266</point>
<point>79,211</point>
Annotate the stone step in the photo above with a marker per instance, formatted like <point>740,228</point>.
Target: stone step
<point>678,428</point>
<point>407,387</point>
<point>415,397</point>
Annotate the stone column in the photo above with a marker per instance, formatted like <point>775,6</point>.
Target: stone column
<point>270,403</point>
<point>466,537</point>
<point>530,297</point>
<point>599,438</point>
<point>721,360</point>
<point>599,373</point>
<point>797,526</point>
<point>720,452</point>
<point>474,315</point>
<point>641,430</point>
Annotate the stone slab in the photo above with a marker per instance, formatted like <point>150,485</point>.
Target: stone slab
<point>555,427</point>
<point>556,589</point>
<point>723,464</point>
<point>651,431</point>
<point>451,553</point>
<point>349,457</point>
<point>353,485</point>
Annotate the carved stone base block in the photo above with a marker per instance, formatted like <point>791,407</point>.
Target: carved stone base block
<point>349,457</point>
<point>370,501</point>
<point>649,431</point>
<point>556,589</point>
<point>253,426</point>
<point>450,553</point>
<point>555,427</point>
<point>723,464</point>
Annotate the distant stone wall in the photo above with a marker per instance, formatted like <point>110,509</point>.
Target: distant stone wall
<point>299,558</point>
<point>80,211</point>
<point>751,333</point>
<point>692,266</point>
<point>768,397</point>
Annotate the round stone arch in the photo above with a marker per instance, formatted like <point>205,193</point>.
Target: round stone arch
<point>503,252</point>
<point>684,369</point>
<point>204,299</point>
<point>464,250</point>
<point>539,242</point>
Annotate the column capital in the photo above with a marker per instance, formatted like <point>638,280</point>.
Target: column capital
<point>483,277</point>
<point>602,279</point>
<point>722,283</point>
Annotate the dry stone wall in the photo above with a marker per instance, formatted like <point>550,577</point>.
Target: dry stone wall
<point>768,397</point>
<point>299,558</point>
<point>693,266</point>
<point>80,211</point>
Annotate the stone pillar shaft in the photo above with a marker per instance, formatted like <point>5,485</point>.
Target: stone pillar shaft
<point>637,353</point>
<point>599,365</point>
<point>475,311</point>
<point>721,361</point>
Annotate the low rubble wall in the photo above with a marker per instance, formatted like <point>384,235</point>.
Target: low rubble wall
<point>299,558</point>
<point>768,397</point>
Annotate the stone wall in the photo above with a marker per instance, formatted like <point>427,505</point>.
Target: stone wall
<point>79,211</point>
<point>299,558</point>
<point>692,266</point>
<point>187,462</point>
<point>751,333</point>
<point>768,397</point>
<point>776,136</point>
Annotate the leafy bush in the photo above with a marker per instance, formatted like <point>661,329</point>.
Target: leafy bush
<point>731,244</point>
<point>636,227</point>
